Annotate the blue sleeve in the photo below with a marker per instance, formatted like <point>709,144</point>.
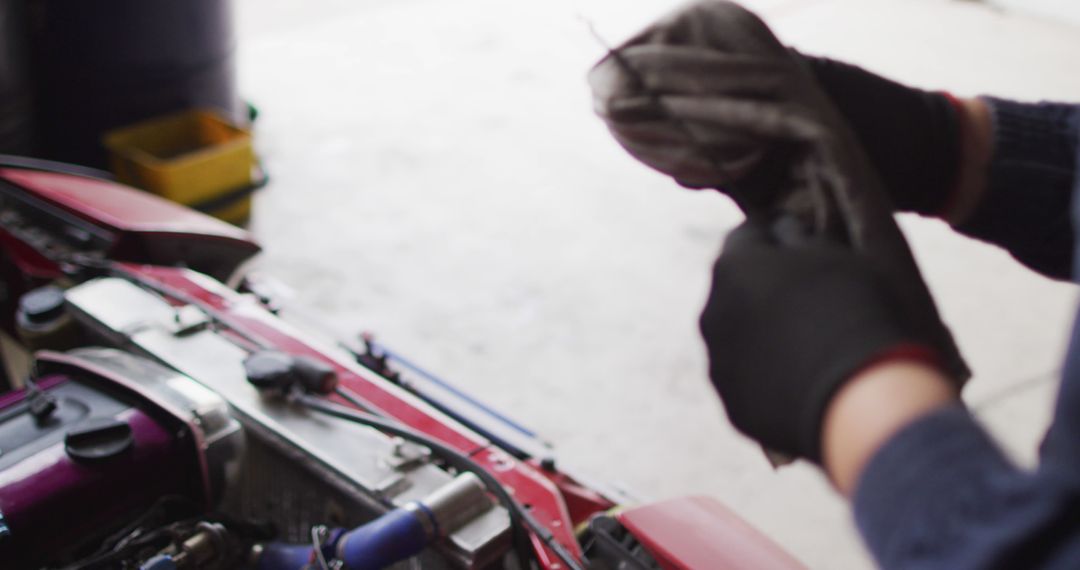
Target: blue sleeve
<point>940,494</point>
<point>1026,205</point>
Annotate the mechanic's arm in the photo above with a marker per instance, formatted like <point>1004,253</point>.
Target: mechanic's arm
<point>812,357</point>
<point>1025,205</point>
<point>880,400</point>
<point>928,486</point>
<point>997,170</point>
<point>871,408</point>
<point>974,153</point>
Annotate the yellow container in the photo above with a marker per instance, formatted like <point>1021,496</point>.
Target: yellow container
<point>194,157</point>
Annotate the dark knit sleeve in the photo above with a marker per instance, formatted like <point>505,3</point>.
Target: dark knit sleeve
<point>1026,208</point>
<point>940,495</point>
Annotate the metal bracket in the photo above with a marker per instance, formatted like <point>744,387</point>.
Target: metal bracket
<point>405,455</point>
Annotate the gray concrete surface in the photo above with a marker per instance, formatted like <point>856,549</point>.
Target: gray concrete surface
<point>438,178</point>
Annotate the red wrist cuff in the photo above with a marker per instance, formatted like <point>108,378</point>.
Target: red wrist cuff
<point>903,352</point>
<point>949,203</point>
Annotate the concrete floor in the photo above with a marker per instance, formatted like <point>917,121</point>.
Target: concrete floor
<point>438,178</point>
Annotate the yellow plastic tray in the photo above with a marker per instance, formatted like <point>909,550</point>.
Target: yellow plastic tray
<point>194,157</point>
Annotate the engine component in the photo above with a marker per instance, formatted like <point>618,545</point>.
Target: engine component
<point>209,546</point>
<point>99,440</point>
<point>309,459</point>
<point>41,404</point>
<point>47,218</point>
<point>399,534</point>
<point>519,514</point>
<point>350,461</point>
<point>609,546</point>
<point>278,370</point>
<point>124,431</point>
<point>41,321</point>
<point>174,534</point>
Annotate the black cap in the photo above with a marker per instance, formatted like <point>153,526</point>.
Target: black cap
<point>43,304</point>
<point>99,439</point>
<point>316,375</point>
<point>279,370</point>
<point>270,369</point>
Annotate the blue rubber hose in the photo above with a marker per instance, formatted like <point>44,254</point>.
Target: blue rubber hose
<point>393,537</point>
<point>284,556</point>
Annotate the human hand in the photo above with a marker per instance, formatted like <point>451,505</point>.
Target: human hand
<point>930,149</point>
<point>718,112</point>
<point>787,325</point>
<point>709,96</point>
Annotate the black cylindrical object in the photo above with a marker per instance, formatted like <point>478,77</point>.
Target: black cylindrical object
<point>16,91</point>
<point>110,63</point>
<point>42,321</point>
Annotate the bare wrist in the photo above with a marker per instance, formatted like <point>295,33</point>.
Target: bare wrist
<point>976,149</point>
<point>871,407</point>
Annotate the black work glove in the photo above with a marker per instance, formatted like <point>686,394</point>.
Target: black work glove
<point>786,326</point>
<point>911,136</point>
<point>709,96</point>
<point>707,111</point>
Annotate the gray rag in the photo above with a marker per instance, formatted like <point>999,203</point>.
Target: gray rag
<point>709,96</point>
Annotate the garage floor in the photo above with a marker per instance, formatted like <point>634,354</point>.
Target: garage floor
<point>439,179</point>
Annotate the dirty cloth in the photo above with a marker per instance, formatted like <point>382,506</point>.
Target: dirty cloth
<point>709,96</point>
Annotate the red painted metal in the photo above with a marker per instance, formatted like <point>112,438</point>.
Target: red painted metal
<point>534,491</point>
<point>581,501</point>
<point>545,558</point>
<point>119,207</point>
<point>27,259</point>
<point>525,481</point>
<point>699,533</point>
<point>141,227</point>
<point>126,211</point>
<point>255,322</point>
<point>683,533</point>
<point>208,292</point>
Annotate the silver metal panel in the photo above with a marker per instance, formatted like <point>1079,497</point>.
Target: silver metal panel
<point>354,453</point>
<point>120,306</point>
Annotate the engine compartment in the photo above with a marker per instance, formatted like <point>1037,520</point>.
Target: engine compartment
<point>226,435</point>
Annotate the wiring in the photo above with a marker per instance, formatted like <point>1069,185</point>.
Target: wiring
<point>454,458</point>
<point>519,514</point>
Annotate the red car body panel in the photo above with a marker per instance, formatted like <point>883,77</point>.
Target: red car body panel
<point>158,242</point>
<point>700,532</point>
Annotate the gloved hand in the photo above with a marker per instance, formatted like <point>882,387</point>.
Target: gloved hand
<point>697,104</point>
<point>709,96</point>
<point>911,136</point>
<point>786,326</point>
